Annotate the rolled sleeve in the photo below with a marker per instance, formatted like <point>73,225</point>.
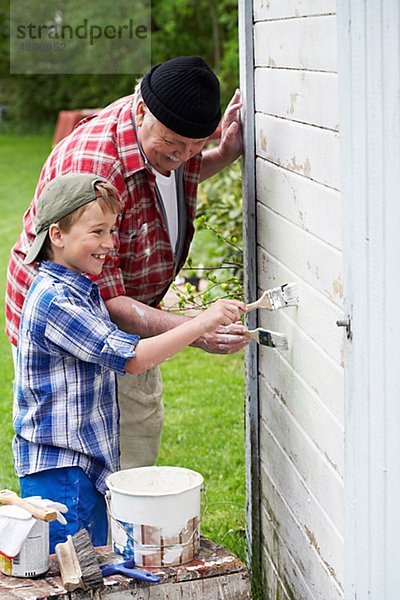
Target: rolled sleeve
<point>118,348</point>
<point>75,330</point>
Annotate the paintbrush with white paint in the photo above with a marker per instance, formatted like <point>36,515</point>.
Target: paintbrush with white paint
<point>265,337</point>
<point>276,298</point>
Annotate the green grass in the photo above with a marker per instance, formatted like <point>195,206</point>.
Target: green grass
<point>203,392</point>
<point>21,159</point>
<point>204,431</point>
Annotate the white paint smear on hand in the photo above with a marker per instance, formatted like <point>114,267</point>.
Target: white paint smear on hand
<point>227,339</point>
<point>232,329</point>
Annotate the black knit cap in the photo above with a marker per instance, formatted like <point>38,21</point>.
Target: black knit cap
<point>183,94</point>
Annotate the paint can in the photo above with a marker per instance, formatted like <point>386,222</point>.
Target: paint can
<point>155,514</point>
<point>33,558</point>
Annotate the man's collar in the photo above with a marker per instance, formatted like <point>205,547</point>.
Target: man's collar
<point>141,151</point>
<point>127,144</point>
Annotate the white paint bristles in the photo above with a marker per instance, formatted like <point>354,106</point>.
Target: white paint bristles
<point>276,298</point>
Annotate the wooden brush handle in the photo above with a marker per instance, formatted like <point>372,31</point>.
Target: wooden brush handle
<point>253,334</point>
<point>262,302</point>
<point>44,514</point>
<point>252,306</point>
<point>70,570</point>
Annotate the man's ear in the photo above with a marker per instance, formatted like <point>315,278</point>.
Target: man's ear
<point>140,112</point>
<point>56,236</point>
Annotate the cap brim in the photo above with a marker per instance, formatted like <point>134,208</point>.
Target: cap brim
<point>36,247</point>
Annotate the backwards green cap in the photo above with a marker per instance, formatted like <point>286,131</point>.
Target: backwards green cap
<point>60,197</point>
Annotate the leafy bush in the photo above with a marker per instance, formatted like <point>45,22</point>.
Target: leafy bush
<point>217,250</point>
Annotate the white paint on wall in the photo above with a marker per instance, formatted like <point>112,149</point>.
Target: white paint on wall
<point>295,549</point>
<point>314,367</point>
<point>306,407</point>
<point>309,151</point>
<point>299,452</point>
<point>317,262</point>
<point>308,44</point>
<point>304,96</point>
<point>316,314</point>
<point>284,9</point>
<point>299,239</point>
<point>307,512</point>
<point>314,207</point>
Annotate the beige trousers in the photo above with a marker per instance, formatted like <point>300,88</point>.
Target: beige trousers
<point>141,419</point>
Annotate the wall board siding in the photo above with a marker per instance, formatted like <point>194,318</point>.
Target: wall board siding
<point>305,96</point>
<point>309,205</point>
<point>313,365</point>
<point>300,452</point>
<point>316,315</point>
<point>271,579</point>
<point>308,257</point>
<point>312,44</point>
<point>300,393</point>
<point>304,149</point>
<point>311,414</point>
<point>283,9</point>
<point>289,579</point>
<point>305,511</point>
<point>294,548</point>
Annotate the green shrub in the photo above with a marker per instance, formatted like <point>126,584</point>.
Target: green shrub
<point>217,250</point>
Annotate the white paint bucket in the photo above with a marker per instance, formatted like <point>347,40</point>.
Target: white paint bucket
<point>33,558</point>
<point>155,514</point>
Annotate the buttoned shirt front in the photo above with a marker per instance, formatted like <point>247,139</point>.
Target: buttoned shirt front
<point>142,264</point>
<point>65,408</point>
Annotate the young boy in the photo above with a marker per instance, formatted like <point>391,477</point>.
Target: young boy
<point>66,416</point>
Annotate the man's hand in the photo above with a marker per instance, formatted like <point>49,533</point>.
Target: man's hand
<point>231,144</point>
<point>225,340</point>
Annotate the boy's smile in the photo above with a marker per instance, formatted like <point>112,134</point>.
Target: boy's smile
<point>84,247</point>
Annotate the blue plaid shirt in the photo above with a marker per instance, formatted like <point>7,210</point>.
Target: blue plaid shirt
<point>65,409</point>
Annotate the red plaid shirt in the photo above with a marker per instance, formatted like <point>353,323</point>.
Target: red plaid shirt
<point>141,265</point>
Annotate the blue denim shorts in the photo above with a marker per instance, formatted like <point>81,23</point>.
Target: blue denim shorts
<point>72,487</point>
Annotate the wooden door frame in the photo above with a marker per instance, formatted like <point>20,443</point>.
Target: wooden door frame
<point>252,417</point>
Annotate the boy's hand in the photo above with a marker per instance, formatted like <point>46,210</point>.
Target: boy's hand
<point>222,312</point>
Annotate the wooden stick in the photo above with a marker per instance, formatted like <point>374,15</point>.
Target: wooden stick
<point>44,514</point>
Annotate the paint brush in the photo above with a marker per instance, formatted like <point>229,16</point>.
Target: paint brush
<point>276,298</point>
<point>265,337</point>
<point>78,562</point>
<point>127,568</point>
<point>44,514</point>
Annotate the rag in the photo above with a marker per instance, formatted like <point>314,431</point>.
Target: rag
<point>16,524</point>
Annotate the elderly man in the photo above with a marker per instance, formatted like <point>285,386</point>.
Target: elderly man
<point>149,146</point>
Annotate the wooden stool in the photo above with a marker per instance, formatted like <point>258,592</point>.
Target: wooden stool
<point>214,575</point>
